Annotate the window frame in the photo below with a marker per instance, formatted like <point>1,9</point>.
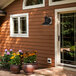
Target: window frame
<point>12,34</point>
<point>51,3</point>
<point>33,6</point>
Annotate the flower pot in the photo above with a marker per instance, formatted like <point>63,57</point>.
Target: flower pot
<point>15,69</point>
<point>29,67</point>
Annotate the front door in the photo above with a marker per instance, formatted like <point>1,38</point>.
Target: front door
<point>67,38</point>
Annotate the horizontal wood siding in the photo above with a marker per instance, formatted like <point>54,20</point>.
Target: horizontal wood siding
<point>41,38</point>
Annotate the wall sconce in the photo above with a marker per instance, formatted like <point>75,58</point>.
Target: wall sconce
<point>48,21</point>
<point>2,13</point>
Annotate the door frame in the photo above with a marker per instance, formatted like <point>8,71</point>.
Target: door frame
<point>57,25</point>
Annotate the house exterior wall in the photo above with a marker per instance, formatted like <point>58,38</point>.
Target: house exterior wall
<point>41,38</point>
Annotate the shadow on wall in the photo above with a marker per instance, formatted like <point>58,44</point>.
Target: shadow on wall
<point>40,36</point>
<point>6,42</point>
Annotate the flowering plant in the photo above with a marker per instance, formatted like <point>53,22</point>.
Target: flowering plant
<point>12,58</point>
<point>29,57</point>
<point>15,59</point>
<point>6,58</point>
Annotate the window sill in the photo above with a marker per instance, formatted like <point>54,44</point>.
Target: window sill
<point>61,2</point>
<point>33,6</point>
<point>16,35</point>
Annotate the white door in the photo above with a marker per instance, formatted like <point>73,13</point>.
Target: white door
<point>65,38</point>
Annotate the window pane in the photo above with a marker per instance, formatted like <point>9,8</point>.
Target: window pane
<point>68,50</point>
<point>23,24</point>
<point>56,0</point>
<point>33,2</point>
<point>15,21</point>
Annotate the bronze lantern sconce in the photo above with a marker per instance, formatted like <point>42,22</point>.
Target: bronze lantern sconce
<point>48,21</point>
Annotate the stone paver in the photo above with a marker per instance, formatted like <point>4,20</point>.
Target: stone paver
<point>56,72</point>
<point>43,72</point>
<point>7,73</point>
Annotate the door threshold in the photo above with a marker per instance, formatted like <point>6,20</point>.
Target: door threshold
<point>66,67</point>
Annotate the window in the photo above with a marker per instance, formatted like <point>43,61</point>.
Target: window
<point>19,25</point>
<point>67,40</point>
<point>58,2</point>
<point>28,4</point>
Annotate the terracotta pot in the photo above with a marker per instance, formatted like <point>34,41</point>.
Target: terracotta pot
<point>15,69</point>
<point>29,68</point>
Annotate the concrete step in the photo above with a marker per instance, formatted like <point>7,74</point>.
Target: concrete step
<point>55,72</point>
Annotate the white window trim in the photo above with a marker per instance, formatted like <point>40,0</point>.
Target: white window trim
<point>12,27</point>
<point>57,22</point>
<point>61,2</point>
<point>33,6</point>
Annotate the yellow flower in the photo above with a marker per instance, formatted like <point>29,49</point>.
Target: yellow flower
<point>24,55</point>
<point>21,55</point>
<point>18,53</point>
<point>35,51</point>
<point>12,57</point>
<point>14,54</point>
<point>32,54</point>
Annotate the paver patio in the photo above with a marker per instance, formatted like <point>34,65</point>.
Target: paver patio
<point>56,72</point>
<point>43,72</point>
<point>6,73</point>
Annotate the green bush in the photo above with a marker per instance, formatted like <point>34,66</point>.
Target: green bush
<point>4,61</point>
<point>72,48</point>
<point>30,57</point>
<point>15,60</point>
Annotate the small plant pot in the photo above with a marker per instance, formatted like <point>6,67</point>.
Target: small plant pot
<point>15,69</point>
<point>29,68</point>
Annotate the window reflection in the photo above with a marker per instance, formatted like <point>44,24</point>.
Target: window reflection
<point>68,35</point>
<point>23,24</point>
<point>33,2</point>
<point>15,21</point>
<point>56,0</point>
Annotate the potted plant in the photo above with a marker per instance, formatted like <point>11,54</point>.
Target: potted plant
<point>15,62</point>
<point>29,62</point>
<point>4,61</point>
<point>0,62</point>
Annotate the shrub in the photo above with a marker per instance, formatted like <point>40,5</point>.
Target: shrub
<point>72,48</point>
<point>15,60</point>
<point>30,57</point>
<point>4,63</point>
